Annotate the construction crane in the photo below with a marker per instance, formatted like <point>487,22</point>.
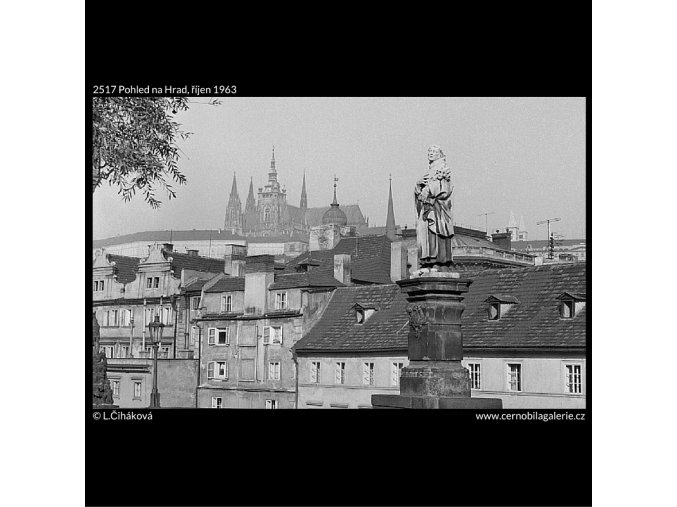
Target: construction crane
<point>551,240</point>
<point>486,221</point>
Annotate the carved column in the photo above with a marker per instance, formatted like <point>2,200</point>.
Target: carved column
<point>435,377</point>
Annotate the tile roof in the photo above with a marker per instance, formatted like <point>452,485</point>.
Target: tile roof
<point>537,244</point>
<point>315,278</point>
<point>195,262</point>
<point>125,267</point>
<point>227,284</point>
<point>370,258</point>
<point>165,236</point>
<point>337,329</point>
<point>533,323</point>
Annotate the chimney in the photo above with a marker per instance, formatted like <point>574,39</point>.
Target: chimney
<point>234,260</point>
<point>259,275</point>
<point>502,240</point>
<point>324,237</point>
<point>342,271</point>
<point>169,247</point>
<point>399,256</point>
<point>192,252</point>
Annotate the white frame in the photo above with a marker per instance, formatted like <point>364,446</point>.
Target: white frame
<point>281,301</point>
<point>340,373</point>
<point>115,382</point>
<point>565,376</point>
<point>279,370</point>
<point>394,366</point>
<point>479,374</point>
<point>193,300</point>
<point>225,305</point>
<point>214,340</point>
<point>215,368</point>
<point>369,368</point>
<point>215,405</point>
<point>508,364</point>
<point>271,404</point>
<point>315,371</point>
<point>134,384</point>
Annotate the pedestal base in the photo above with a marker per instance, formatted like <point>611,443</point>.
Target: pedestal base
<point>399,401</point>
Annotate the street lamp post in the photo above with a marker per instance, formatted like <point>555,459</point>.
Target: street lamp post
<point>155,328</point>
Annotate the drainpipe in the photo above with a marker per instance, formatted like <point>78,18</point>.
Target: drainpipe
<point>296,365</point>
<point>176,321</point>
<point>199,363</point>
<point>143,329</point>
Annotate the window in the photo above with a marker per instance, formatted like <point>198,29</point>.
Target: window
<point>195,302</point>
<point>281,301</point>
<point>149,315</point>
<point>368,374</point>
<point>217,402</point>
<point>194,335</point>
<point>494,311</point>
<point>274,370</point>
<point>340,377</point>
<point>217,369</point>
<point>266,215</point>
<point>115,384</point>
<point>567,309</point>
<point>98,285</point>
<point>156,282</point>
<point>105,319</point>
<point>124,317</point>
<point>149,282</point>
<point>573,382</point>
<point>359,316</point>
<point>272,333</point>
<point>218,336</point>
<point>108,350</point>
<point>124,351</point>
<point>226,303</point>
<point>137,389</point>
<point>166,318</point>
<point>113,317</point>
<point>165,353</point>
<point>514,377</point>
<point>271,404</point>
<point>395,373</point>
<point>315,372</point>
<point>149,351</point>
<point>475,375</point>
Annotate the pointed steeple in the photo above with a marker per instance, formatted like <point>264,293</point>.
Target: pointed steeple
<point>512,223</point>
<point>233,189</point>
<point>304,197</point>
<point>250,206</point>
<point>522,226</point>
<point>233,219</point>
<point>390,220</point>
<point>272,174</point>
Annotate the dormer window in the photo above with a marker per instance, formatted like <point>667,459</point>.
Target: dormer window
<point>571,303</point>
<point>499,305</point>
<point>363,312</point>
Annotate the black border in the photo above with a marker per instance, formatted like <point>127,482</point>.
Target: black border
<point>341,457</point>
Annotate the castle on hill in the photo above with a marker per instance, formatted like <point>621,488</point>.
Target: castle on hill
<point>269,213</point>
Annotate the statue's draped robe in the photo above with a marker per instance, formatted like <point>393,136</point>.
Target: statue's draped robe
<point>434,227</point>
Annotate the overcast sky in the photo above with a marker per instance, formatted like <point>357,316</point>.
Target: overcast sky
<point>521,154</point>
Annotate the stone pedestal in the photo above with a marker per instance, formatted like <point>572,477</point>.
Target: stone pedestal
<point>435,377</point>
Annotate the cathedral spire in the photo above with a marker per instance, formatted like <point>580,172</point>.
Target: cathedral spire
<point>272,174</point>
<point>304,197</point>
<point>233,189</point>
<point>335,180</point>
<point>250,206</point>
<point>390,220</point>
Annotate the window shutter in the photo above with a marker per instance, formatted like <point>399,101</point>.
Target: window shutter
<point>266,335</point>
<point>210,370</point>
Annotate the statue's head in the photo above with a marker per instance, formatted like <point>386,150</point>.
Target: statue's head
<point>435,153</point>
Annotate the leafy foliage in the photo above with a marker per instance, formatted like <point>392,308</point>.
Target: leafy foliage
<point>134,144</point>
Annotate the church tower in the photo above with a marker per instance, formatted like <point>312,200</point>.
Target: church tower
<point>390,219</point>
<point>272,204</point>
<point>233,220</point>
<point>304,197</point>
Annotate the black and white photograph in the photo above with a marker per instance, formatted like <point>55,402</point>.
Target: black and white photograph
<point>337,252</point>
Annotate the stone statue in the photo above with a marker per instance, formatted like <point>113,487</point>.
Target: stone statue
<point>434,226</point>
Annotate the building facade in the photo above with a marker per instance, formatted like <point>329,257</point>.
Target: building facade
<point>128,293</point>
<point>524,332</point>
